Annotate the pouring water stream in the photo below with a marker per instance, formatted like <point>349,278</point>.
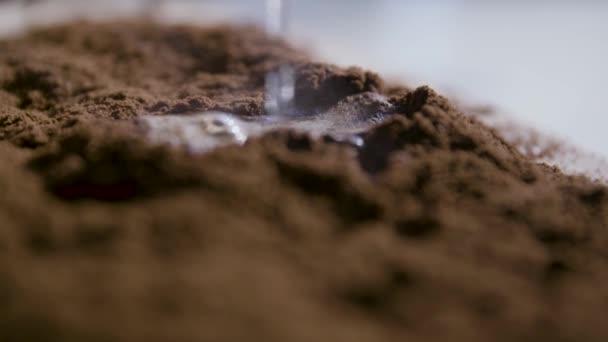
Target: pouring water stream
<point>203,132</point>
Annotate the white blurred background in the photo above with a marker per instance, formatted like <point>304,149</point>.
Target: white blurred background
<point>541,62</point>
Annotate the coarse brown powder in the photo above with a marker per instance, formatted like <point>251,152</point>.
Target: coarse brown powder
<point>437,229</point>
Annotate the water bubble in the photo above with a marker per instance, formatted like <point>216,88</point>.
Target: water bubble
<point>356,140</point>
<point>197,133</point>
<point>353,140</point>
<point>222,124</point>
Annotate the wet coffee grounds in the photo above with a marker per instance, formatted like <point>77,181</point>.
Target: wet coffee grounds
<point>435,229</point>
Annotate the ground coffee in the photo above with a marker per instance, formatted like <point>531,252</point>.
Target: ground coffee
<point>436,229</point>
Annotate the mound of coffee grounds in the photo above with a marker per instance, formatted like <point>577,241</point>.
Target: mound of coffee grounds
<point>436,229</point>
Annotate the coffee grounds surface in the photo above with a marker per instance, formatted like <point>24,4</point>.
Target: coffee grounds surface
<point>437,229</point>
